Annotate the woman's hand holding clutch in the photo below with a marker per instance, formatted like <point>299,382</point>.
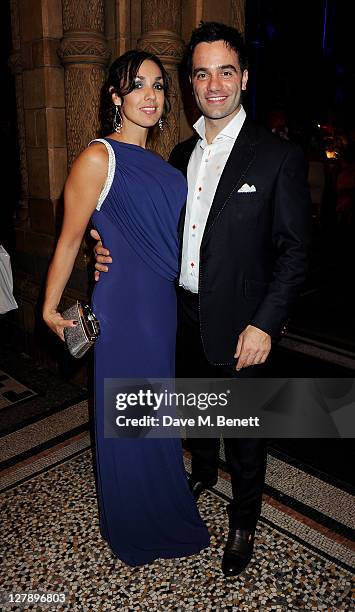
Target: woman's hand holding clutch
<point>57,323</point>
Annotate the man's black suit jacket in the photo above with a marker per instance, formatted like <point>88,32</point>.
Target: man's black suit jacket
<point>254,248</point>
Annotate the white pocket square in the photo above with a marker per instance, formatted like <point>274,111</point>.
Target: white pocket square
<point>247,188</point>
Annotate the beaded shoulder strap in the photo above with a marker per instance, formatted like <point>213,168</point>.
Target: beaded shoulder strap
<point>110,171</point>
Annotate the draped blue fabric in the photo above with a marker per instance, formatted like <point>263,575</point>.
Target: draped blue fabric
<point>145,505</point>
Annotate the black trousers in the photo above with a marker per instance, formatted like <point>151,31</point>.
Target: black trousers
<point>246,458</point>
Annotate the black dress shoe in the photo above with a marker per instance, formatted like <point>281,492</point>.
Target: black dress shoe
<point>238,551</point>
<point>196,487</point>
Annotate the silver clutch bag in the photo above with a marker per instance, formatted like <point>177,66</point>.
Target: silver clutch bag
<point>81,337</point>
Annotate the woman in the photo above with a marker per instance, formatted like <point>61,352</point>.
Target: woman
<point>135,199</point>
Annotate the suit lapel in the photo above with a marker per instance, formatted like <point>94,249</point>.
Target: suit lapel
<point>181,223</point>
<point>239,160</point>
<point>184,155</point>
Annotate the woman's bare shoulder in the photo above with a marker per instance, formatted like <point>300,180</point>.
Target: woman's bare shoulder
<point>92,159</point>
<point>95,153</point>
<point>91,165</point>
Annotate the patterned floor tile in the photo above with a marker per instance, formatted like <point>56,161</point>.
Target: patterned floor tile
<point>41,431</point>
<point>51,542</point>
<point>12,391</point>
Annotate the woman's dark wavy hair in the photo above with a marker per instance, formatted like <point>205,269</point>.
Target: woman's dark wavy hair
<point>212,31</point>
<point>121,79</point>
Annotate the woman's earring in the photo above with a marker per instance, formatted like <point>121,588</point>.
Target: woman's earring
<point>161,124</point>
<point>117,120</point>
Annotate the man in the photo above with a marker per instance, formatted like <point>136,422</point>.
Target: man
<point>244,241</point>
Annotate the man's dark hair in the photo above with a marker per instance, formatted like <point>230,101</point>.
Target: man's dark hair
<point>211,31</point>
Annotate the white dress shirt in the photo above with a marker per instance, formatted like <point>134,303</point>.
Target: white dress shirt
<point>205,167</point>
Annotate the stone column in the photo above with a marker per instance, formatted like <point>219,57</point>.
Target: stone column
<point>16,65</point>
<point>231,12</point>
<point>161,27</point>
<point>85,55</point>
<point>36,30</point>
<point>238,15</point>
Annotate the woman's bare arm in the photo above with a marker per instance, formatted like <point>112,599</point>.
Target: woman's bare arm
<point>81,193</point>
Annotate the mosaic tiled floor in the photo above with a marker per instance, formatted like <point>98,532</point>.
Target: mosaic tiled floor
<point>50,542</point>
<point>31,391</point>
<point>43,433</point>
<point>12,391</point>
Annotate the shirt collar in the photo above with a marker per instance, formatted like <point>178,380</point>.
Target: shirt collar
<point>231,130</point>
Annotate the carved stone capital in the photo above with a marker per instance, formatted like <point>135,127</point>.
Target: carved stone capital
<point>84,48</point>
<point>167,45</point>
<point>15,62</point>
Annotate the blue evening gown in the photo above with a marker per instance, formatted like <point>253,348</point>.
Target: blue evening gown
<point>145,506</point>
